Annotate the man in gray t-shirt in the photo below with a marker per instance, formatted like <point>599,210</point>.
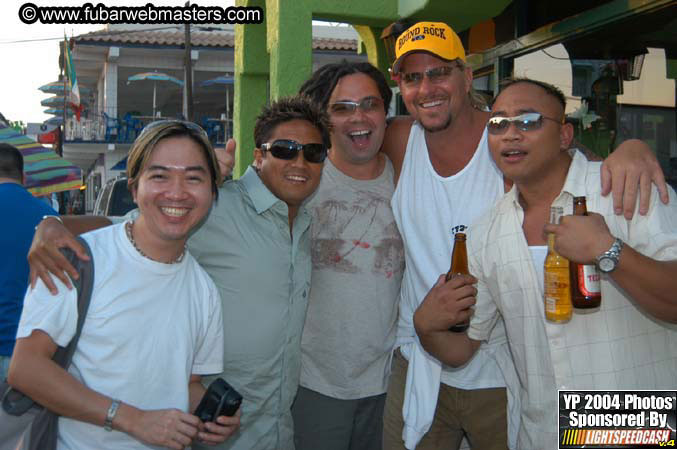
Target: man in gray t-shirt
<point>358,261</point>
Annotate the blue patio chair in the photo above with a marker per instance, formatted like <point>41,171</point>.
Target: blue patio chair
<point>131,127</point>
<point>112,127</point>
<point>211,128</point>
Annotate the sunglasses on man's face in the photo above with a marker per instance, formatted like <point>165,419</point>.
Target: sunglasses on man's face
<point>524,122</point>
<point>347,108</point>
<point>288,149</point>
<point>435,75</point>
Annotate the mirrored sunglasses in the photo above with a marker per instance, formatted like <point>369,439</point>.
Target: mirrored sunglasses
<point>288,149</point>
<point>366,105</point>
<point>524,122</point>
<point>434,75</point>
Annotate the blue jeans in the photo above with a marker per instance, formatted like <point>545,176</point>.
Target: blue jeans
<point>4,366</point>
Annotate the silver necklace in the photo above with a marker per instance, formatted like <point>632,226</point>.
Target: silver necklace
<point>130,236</point>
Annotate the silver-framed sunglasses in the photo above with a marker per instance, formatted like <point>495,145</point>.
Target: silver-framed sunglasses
<point>524,122</point>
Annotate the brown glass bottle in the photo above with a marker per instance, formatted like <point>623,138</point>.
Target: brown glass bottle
<point>459,266</point>
<point>585,287</point>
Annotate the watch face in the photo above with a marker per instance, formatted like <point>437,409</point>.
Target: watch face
<point>606,264</point>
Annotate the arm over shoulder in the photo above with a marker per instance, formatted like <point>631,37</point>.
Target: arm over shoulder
<point>395,141</point>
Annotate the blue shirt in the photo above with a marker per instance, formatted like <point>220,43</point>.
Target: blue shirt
<point>262,271</point>
<point>22,213</point>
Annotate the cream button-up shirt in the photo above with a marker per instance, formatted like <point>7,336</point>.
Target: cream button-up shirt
<point>617,347</point>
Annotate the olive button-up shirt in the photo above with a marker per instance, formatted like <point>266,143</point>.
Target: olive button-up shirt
<point>262,271</point>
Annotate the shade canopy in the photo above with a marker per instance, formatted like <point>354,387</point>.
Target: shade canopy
<point>57,87</point>
<point>58,111</point>
<point>154,77</point>
<point>45,172</point>
<point>57,100</point>
<point>223,79</point>
<point>120,165</point>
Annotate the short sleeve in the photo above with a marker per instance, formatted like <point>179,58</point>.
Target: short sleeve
<point>209,353</point>
<point>486,313</point>
<point>56,315</point>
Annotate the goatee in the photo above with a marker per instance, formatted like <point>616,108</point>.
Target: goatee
<point>437,128</point>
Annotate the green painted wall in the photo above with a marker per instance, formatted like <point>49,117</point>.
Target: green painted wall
<point>251,86</point>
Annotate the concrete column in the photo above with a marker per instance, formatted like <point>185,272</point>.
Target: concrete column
<point>290,40</point>
<point>251,86</point>
<point>110,82</point>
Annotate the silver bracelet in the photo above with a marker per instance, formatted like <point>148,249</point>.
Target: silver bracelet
<point>110,415</point>
<point>47,217</point>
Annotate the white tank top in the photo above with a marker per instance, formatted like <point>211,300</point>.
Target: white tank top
<point>429,209</point>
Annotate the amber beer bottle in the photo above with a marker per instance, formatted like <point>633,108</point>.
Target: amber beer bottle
<point>585,288</point>
<point>556,287</point>
<point>459,266</point>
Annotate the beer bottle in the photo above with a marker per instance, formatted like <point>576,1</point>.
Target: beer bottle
<point>459,266</point>
<point>556,287</point>
<point>585,287</point>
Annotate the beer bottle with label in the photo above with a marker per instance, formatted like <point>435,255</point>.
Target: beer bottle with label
<point>585,288</point>
<point>556,286</point>
<point>459,266</point>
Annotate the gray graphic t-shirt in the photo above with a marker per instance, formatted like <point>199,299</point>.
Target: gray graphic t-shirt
<point>358,261</point>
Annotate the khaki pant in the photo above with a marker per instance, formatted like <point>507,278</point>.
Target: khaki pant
<point>480,413</point>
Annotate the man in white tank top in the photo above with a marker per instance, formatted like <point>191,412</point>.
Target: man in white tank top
<point>447,180</point>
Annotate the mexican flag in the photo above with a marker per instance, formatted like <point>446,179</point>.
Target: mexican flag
<point>73,91</point>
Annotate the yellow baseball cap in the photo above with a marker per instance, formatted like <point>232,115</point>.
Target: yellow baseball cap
<point>433,37</point>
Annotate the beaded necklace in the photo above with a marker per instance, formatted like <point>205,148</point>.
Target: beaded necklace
<point>130,236</point>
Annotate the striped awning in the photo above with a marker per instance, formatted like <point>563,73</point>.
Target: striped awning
<point>45,172</point>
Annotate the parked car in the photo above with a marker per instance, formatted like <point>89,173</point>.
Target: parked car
<point>114,199</point>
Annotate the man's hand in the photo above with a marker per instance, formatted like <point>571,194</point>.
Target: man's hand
<point>581,239</point>
<point>226,158</point>
<point>45,258</point>
<point>631,166</point>
<point>169,428</point>
<point>446,304</point>
<point>212,433</point>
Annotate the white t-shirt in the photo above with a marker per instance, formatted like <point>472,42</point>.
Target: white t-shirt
<point>148,328</point>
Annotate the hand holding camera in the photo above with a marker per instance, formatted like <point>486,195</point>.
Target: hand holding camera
<point>217,411</point>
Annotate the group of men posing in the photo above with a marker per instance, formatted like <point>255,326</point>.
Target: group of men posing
<point>310,346</point>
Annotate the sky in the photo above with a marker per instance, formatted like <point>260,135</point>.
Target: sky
<point>29,65</point>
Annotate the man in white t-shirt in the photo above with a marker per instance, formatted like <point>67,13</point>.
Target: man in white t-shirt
<point>154,323</point>
<point>629,343</point>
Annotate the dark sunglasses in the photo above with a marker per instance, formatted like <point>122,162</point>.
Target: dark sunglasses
<point>366,105</point>
<point>435,75</point>
<point>189,126</point>
<point>524,122</point>
<point>288,149</point>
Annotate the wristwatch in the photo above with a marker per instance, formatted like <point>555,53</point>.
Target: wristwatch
<point>608,261</point>
<point>110,415</point>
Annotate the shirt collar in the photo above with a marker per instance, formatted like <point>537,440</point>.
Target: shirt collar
<point>575,181</point>
<point>260,195</point>
<point>574,184</point>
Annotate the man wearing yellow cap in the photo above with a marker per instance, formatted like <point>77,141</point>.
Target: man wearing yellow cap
<point>446,180</point>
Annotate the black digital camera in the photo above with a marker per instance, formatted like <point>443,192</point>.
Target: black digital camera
<point>221,399</point>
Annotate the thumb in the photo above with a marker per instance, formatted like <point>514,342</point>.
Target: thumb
<point>231,145</point>
<point>441,280</point>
